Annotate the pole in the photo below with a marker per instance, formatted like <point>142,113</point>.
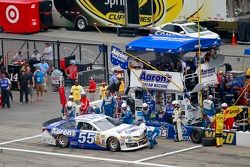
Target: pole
<point>199,55</point>
<point>58,53</point>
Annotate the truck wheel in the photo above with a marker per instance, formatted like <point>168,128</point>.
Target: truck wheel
<point>113,144</point>
<point>62,141</point>
<point>81,23</point>
<point>197,135</point>
<point>208,141</point>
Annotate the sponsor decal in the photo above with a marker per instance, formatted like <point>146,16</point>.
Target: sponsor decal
<point>232,111</point>
<point>70,133</point>
<point>12,14</point>
<point>131,130</point>
<point>163,132</point>
<point>124,129</point>
<point>207,72</point>
<point>229,137</point>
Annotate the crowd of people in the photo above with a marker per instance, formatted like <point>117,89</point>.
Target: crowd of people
<point>32,75</point>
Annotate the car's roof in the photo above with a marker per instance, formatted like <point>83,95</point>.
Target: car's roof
<point>180,24</point>
<point>90,117</point>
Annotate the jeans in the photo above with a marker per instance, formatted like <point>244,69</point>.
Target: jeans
<point>5,98</point>
<point>24,91</point>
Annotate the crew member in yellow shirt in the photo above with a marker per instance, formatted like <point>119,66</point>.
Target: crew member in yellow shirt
<point>219,126</point>
<point>76,91</point>
<point>103,89</point>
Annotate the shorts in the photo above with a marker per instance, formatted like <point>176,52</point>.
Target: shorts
<point>39,87</point>
<point>30,91</point>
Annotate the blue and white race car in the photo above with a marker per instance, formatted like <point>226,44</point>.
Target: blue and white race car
<point>94,131</point>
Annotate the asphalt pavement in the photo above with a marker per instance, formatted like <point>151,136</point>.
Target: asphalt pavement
<point>20,129</point>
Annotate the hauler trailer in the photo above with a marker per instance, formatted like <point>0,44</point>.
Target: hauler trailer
<point>25,16</point>
<point>147,13</point>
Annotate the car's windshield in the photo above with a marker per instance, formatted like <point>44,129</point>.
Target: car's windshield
<point>193,28</point>
<point>106,124</point>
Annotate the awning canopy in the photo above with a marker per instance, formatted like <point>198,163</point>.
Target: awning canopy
<point>247,51</point>
<point>170,44</point>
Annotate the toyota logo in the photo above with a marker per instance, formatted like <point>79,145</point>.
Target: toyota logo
<point>12,14</point>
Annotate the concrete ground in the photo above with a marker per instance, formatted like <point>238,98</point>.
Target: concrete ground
<point>20,129</point>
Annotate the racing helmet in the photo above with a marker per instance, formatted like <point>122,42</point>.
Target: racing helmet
<point>224,105</point>
<point>144,105</point>
<point>69,105</point>
<point>210,97</point>
<point>175,102</point>
<point>124,106</point>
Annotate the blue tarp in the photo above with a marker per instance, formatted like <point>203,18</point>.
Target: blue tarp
<point>170,44</point>
<point>247,51</point>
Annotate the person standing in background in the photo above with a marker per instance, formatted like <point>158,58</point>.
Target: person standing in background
<point>48,53</point>
<point>3,70</point>
<point>39,83</point>
<point>72,72</point>
<point>5,85</point>
<point>31,83</point>
<point>103,89</point>
<point>23,85</point>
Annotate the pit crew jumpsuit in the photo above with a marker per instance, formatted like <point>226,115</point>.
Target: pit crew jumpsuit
<point>127,117</point>
<point>177,123</point>
<point>108,106</point>
<point>219,125</point>
<point>152,133</point>
<point>208,111</point>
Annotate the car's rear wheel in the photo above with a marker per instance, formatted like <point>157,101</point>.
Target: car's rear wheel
<point>62,141</point>
<point>113,144</point>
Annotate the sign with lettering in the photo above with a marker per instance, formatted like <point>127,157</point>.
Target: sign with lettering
<point>154,80</point>
<point>118,57</point>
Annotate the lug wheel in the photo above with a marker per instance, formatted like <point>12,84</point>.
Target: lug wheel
<point>62,141</point>
<point>113,144</point>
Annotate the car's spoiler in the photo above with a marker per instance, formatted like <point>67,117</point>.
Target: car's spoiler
<point>51,121</point>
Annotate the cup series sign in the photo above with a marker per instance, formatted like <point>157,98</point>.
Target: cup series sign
<point>118,57</point>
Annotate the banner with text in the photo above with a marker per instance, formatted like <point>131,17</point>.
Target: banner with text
<point>118,57</point>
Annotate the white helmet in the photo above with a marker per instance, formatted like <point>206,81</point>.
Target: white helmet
<point>144,105</point>
<point>175,102</point>
<point>69,104</point>
<point>224,105</point>
<point>210,97</point>
<point>124,105</point>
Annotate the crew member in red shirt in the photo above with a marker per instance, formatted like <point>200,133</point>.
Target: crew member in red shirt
<point>84,104</point>
<point>92,88</point>
<point>228,122</point>
<point>72,72</point>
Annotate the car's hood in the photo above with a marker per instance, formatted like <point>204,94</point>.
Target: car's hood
<point>204,34</point>
<point>127,130</point>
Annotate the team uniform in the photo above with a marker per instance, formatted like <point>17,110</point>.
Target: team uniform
<point>72,71</point>
<point>108,105</point>
<point>126,115</point>
<point>5,88</point>
<point>103,90</point>
<point>84,105</point>
<point>177,123</point>
<point>208,111</point>
<point>76,91</point>
<point>219,125</point>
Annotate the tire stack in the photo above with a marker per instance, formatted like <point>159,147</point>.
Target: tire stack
<point>198,137</point>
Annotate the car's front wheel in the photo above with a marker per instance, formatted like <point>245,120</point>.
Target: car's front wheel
<point>62,141</point>
<point>113,144</point>
<point>81,23</point>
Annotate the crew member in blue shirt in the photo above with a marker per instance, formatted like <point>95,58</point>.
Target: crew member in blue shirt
<point>5,85</point>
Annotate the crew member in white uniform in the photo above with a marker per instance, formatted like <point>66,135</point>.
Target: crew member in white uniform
<point>177,121</point>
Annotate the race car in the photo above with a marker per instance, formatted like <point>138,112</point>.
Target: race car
<point>94,131</point>
<point>184,29</point>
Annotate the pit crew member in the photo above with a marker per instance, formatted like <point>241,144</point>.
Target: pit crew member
<point>126,116</point>
<point>177,121</point>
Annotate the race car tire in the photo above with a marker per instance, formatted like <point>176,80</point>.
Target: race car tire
<point>208,141</point>
<point>197,135</point>
<point>113,144</point>
<point>62,141</point>
<point>81,23</point>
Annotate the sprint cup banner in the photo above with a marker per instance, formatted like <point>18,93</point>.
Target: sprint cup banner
<point>153,80</point>
<point>118,57</point>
